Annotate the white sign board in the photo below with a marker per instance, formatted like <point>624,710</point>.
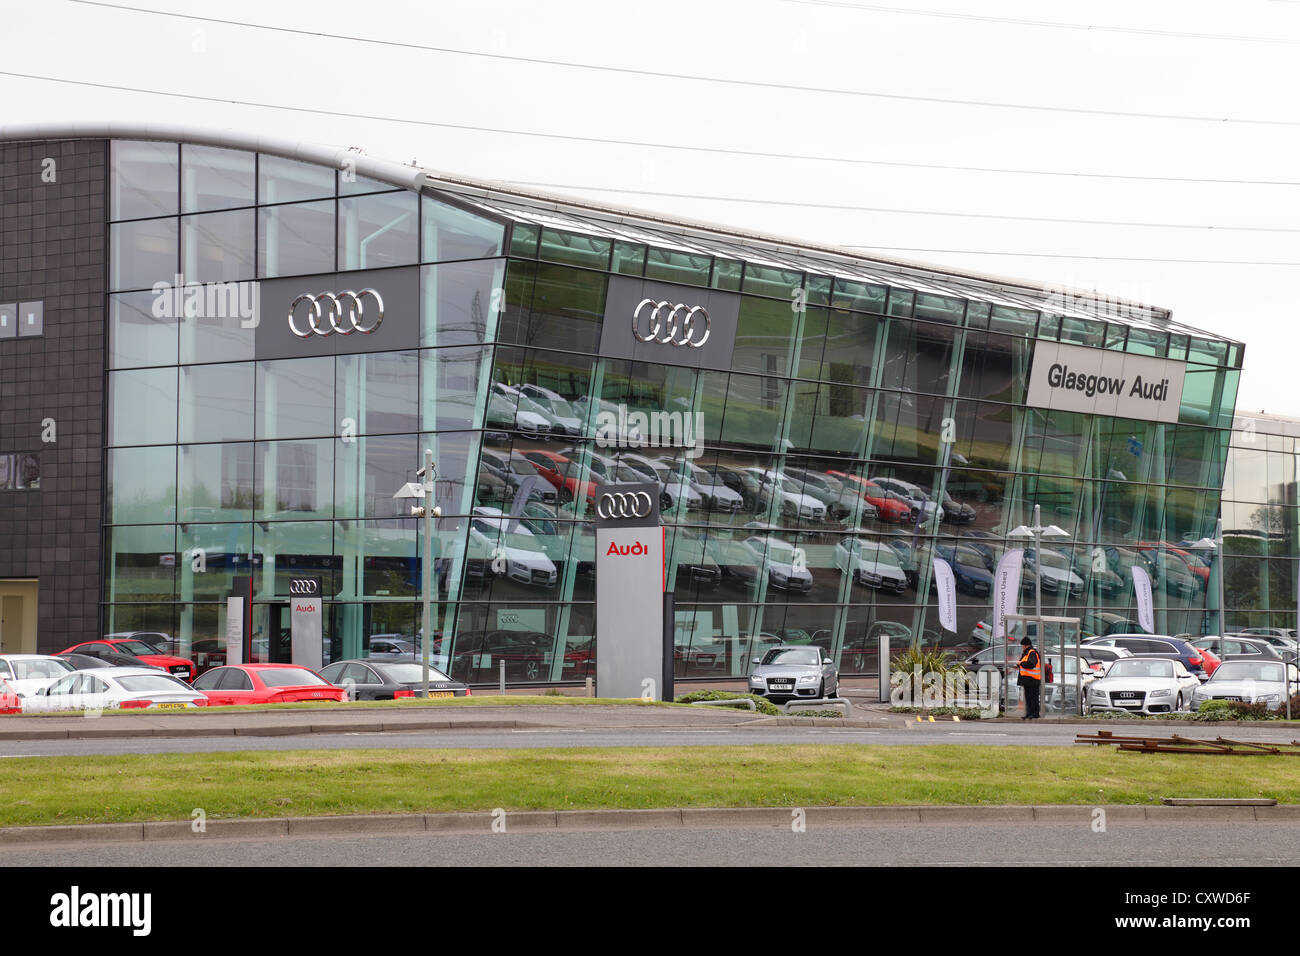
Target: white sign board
<point>1071,378</point>
<point>305,630</point>
<point>234,630</point>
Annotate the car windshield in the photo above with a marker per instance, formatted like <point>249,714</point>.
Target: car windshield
<point>138,648</point>
<point>1053,560</point>
<point>969,560</point>
<point>779,551</point>
<point>1141,668</point>
<point>410,673</point>
<point>40,669</point>
<point>1248,670</point>
<point>151,683</point>
<point>793,655</point>
<point>879,553</point>
<point>288,677</point>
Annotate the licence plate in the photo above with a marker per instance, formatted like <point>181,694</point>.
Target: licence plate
<point>171,706</point>
<point>441,693</point>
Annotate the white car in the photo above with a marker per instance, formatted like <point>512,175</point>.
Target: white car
<point>115,688</point>
<point>791,502</point>
<point>564,417</point>
<point>504,413</point>
<point>1142,685</point>
<point>28,673</point>
<point>872,564</point>
<point>711,489</point>
<point>1055,571</point>
<point>1250,682</point>
<point>677,488</point>
<point>516,554</point>
<point>786,565</point>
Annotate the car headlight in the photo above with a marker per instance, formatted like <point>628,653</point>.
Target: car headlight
<point>1096,693</point>
<point>1269,699</point>
<point>809,678</point>
<point>1162,693</point>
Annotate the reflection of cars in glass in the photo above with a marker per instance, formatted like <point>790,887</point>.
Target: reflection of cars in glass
<point>372,679</point>
<point>955,512</point>
<point>1142,686</point>
<point>871,564</point>
<point>734,561</point>
<point>968,570</point>
<point>515,554</point>
<point>918,500</point>
<point>713,491</point>
<point>889,505</point>
<point>1234,647</point>
<point>785,673</point>
<point>786,567</point>
<point>477,656</point>
<point>840,503</point>
<point>785,497</point>
<point>1054,571</point>
<point>742,483</point>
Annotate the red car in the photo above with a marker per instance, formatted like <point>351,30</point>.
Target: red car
<point>1209,660</point>
<point>890,507</point>
<point>569,478</point>
<point>265,684</point>
<point>176,666</point>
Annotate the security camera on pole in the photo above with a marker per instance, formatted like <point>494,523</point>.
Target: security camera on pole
<point>423,490</point>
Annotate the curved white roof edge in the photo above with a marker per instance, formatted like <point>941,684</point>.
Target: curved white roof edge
<point>337,157</point>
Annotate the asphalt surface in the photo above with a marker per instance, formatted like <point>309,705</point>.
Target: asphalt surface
<point>1070,844</point>
<point>743,734</point>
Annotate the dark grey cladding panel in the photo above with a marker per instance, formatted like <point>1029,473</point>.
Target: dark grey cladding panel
<point>625,293</point>
<point>632,505</point>
<point>398,288</point>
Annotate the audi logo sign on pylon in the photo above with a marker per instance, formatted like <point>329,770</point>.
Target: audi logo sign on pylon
<point>343,312</point>
<point>619,504</point>
<point>667,328</point>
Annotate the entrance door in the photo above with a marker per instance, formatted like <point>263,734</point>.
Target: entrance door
<point>281,644</point>
<point>18,617</point>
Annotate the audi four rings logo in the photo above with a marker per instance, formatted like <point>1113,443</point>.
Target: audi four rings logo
<point>302,587</point>
<point>676,326</point>
<point>342,312</point>
<point>624,504</point>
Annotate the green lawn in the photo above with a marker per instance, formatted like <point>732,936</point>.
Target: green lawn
<point>406,703</point>
<point>106,789</point>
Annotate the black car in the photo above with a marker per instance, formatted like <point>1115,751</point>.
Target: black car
<point>477,657</point>
<point>387,680</point>
<point>84,662</point>
<point>1234,647</point>
<point>1155,645</point>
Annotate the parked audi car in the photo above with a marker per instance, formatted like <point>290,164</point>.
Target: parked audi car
<point>176,666</point>
<point>1142,685</point>
<point>266,684</point>
<point>1155,646</point>
<point>372,679</point>
<point>28,673</point>
<point>785,673</point>
<point>871,563</point>
<point>112,688</point>
<point>476,657</point>
<point>1248,682</point>
<point>785,568</point>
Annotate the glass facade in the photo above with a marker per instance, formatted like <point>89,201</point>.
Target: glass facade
<point>869,420</point>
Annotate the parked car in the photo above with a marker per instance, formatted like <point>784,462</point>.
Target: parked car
<point>265,684</point>
<point>714,493</point>
<point>1142,685</point>
<point>516,553</point>
<point>28,673</point>
<point>840,503</point>
<point>372,679</point>
<point>889,505</point>
<point>968,570</point>
<point>785,498</point>
<point>1055,571</point>
<point>785,673</point>
<point>1249,682</point>
<point>110,688</point>
<point>477,656</point>
<point>871,563</point>
<point>1155,646</point>
<point>176,666</point>
<point>785,570</point>
<point>1240,648</point>
<point>913,494</point>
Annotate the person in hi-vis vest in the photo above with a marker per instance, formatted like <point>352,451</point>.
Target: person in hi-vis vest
<point>1031,678</point>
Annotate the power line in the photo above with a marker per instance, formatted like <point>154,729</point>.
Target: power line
<point>909,212</point>
<point>1062,255</point>
<point>647,144</point>
<point>1053,24</point>
<point>727,81</point>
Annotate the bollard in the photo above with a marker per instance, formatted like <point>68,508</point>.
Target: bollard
<point>503,677</point>
<point>591,690</point>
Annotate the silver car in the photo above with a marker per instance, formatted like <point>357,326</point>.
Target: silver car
<point>1250,682</point>
<point>788,671</point>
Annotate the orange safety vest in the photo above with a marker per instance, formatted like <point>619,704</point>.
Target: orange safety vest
<point>1032,670</point>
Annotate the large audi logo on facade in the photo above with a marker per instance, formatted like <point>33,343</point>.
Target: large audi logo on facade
<point>624,504</point>
<point>299,586</point>
<point>672,324</point>
<point>342,312</point>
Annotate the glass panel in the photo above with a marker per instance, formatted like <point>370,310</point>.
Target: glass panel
<point>769,281</point>
<point>137,334</point>
<point>295,240</point>
<point>350,184</point>
<point>918,356</point>
<point>216,403</point>
<point>726,274</point>
<point>818,289</point>
<point>217,482</point>
<point>213,178</point>
<point>218,247</point>
<point>288,180</point>
<point>368,472</point>
<point>850,348</point>
<point>294,479</point>
<point>145,180</point>
<point>763,336</point>
<point>227,551</point>
<point>673,266</point>
<point>901,302</point>
<point>379,391</point>
<point>940,308</point>
<point>142,407</point>
<point>220,322</point>
<point>1145,342</point>
<point>1018,321</point>
<point>377,231</point>
<point>452,233</point>
<point>140,564</point>
<point>995,367</point>
<point>754,407</point>
<point>295,398</point>
<point>561,308</point>
<point>812,343</point>
<point>629,258</point>
<point>859,296</point>
<point>451,380</point>
<point>143,253</point>
<point>458,302</point>
<point>523,240</point>
<point>574,250</point>
<point>977,315</point>
<point>283,550</point>
<point>141,485</point>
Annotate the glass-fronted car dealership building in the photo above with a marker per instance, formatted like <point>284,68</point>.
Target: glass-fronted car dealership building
<point>281,332</point>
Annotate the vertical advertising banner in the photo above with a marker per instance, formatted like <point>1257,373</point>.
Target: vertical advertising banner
<point>305,610</point>
<point>1006,589</point>
<point>1142,592</point>
<point>629,591</point>
<point>947,585</point>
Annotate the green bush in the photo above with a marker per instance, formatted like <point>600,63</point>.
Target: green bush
<point>1216,710</point>
<point>927,660</point>
<point>763,705</point>
<point>965,713</point>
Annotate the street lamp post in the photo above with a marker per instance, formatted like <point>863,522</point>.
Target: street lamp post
<point>423,490</point>
<point>1038,533</point>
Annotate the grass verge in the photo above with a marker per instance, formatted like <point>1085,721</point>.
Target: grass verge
<point>406,703</point>
<point>112,789</point>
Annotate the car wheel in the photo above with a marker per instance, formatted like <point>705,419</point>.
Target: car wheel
<point>665,501</point>
<point>1178,704</point>
<point>859,662</point>
<point>565,496</point>
<point>532,670</point>
<point>821,691</point>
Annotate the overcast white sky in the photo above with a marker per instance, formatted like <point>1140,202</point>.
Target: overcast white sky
<point>1228,71</point>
